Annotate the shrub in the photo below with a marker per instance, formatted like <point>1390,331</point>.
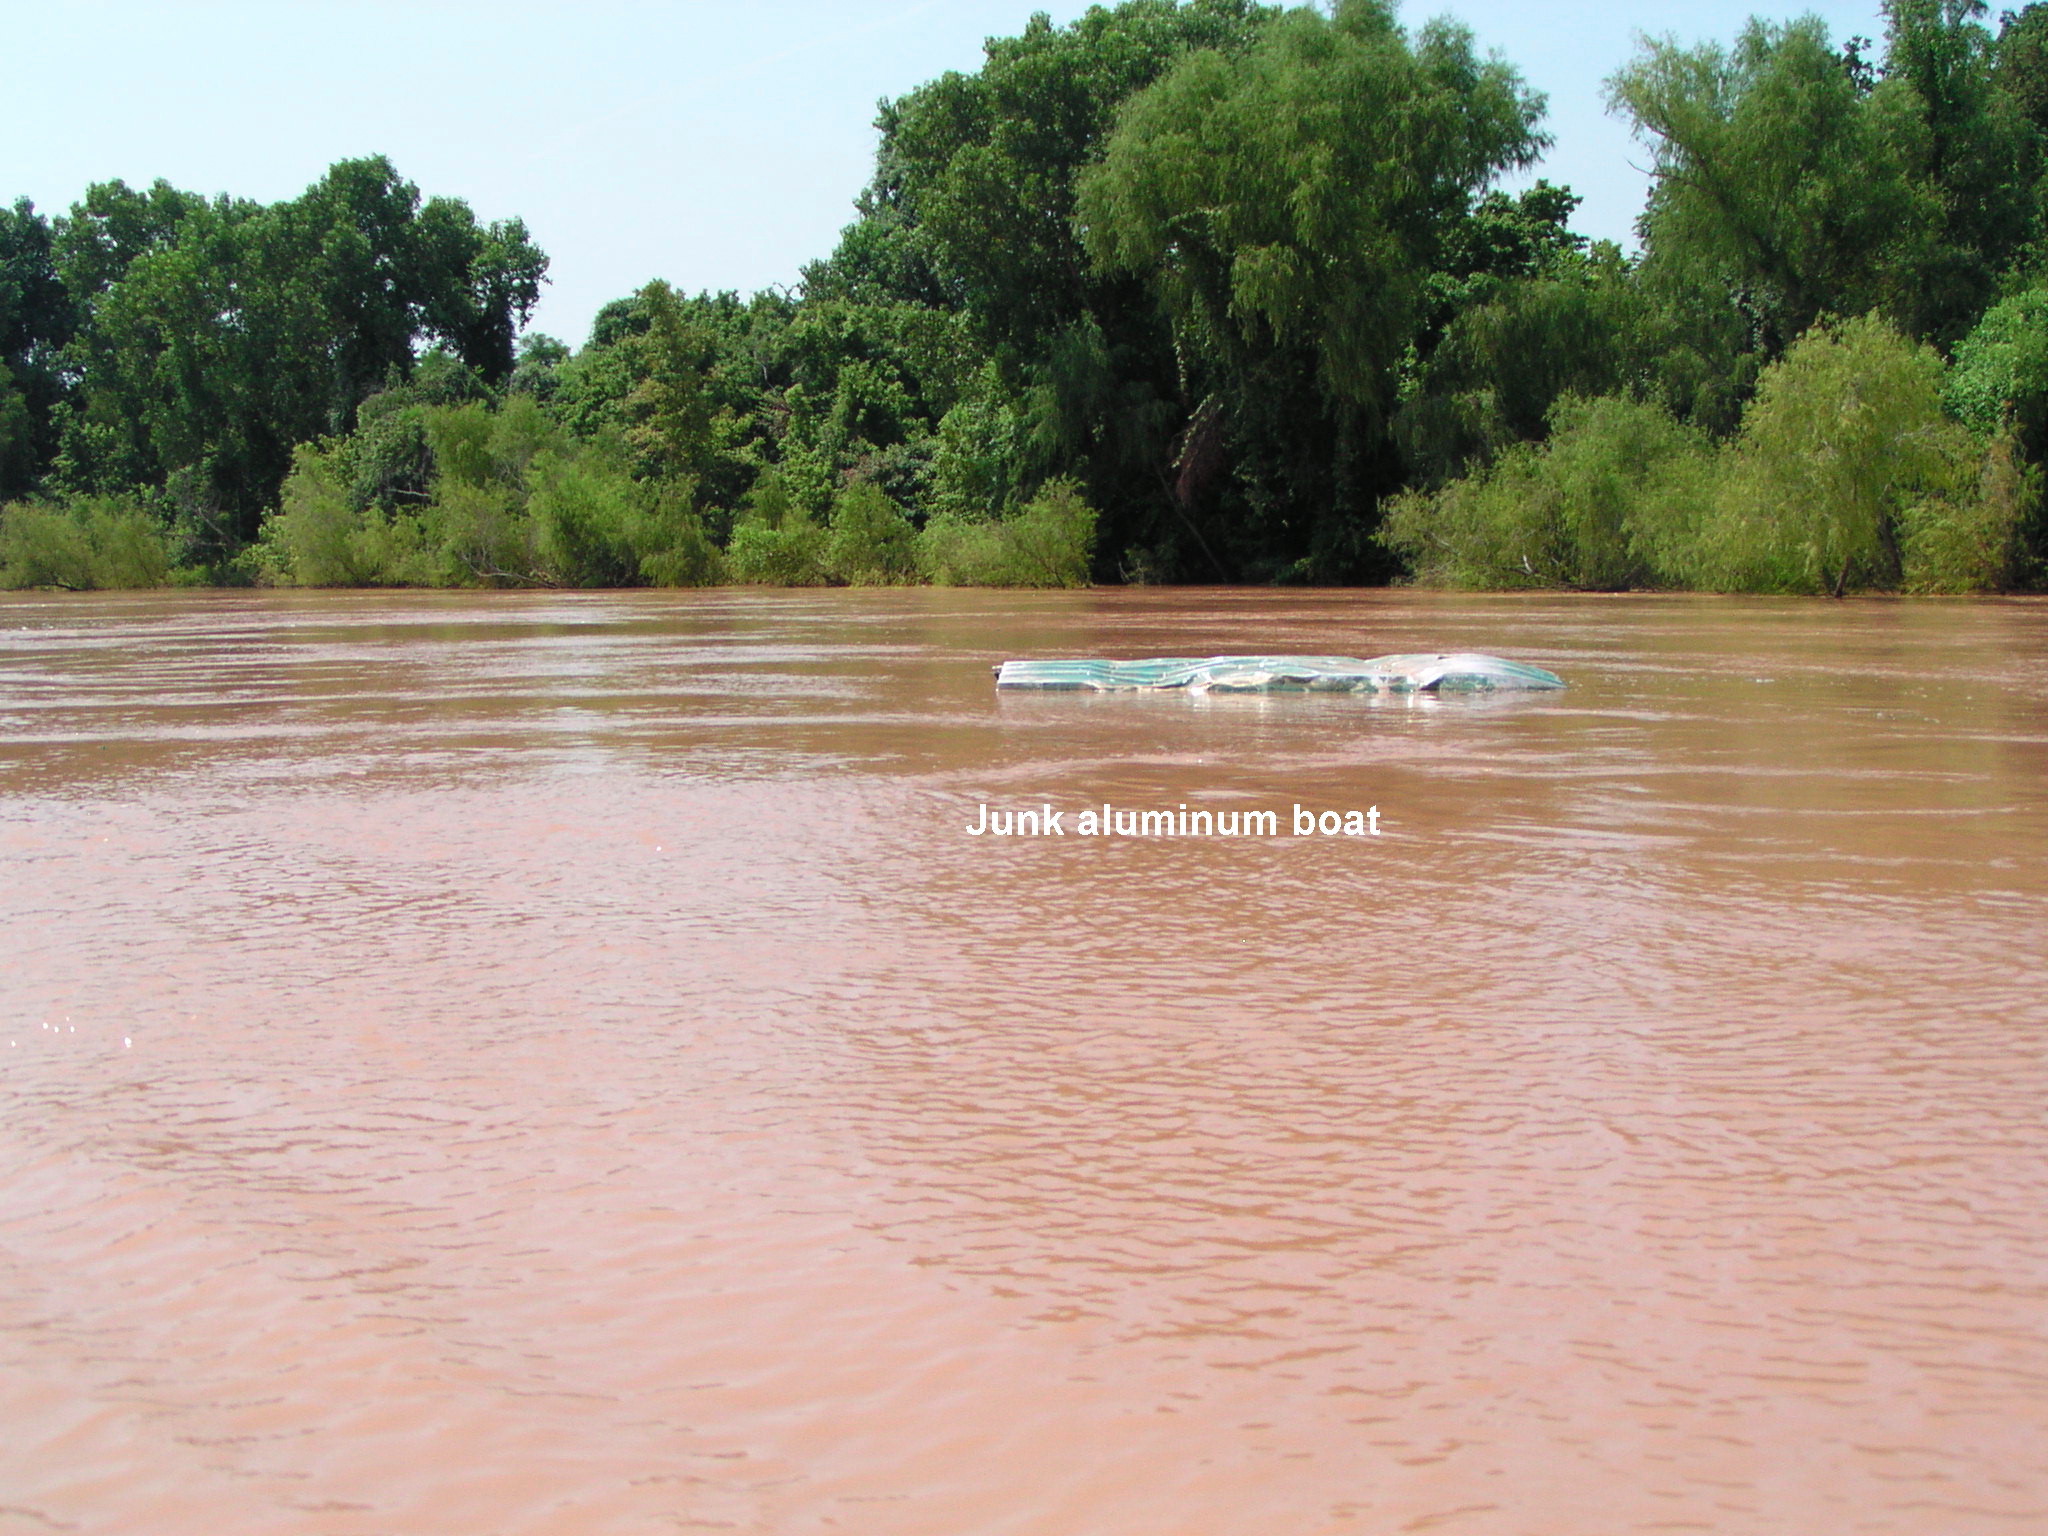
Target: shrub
<point>956,552</point>
<point>594,525</point>
<point>480,535</point>
<point>675,550</point>
<point>520,432</point>
<point>1599,506</point>
<point>459,437</point>
<point>1975,543</point>
<point>1052,537</point>
<point>42,547</point>
<point>474,445</point>
<point>1046,543</point>
<point>792,555</point>
<point>775,543</point>
<point>319,538</point>
<point>87,543</point>
<point>871,542</point>
<point>1846,472</point>
<point>586,520</point>
<point>1845,438</point>
<point>130,548</point>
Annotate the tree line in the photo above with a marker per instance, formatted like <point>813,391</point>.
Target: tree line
<point>1201,291</point>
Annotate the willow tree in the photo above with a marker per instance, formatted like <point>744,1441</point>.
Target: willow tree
<point>1777,175</point>
<point>1287,206</point>
<point>1848,473</point>
<point>986,163</point>
<point>1803,182</point>
<point>972,210</point>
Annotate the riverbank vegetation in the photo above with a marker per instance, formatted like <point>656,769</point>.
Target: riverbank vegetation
<point>1210,291</point>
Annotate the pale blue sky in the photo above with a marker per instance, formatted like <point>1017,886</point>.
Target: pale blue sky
<point>716,145</point>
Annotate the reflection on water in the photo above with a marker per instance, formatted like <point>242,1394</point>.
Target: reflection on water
<point>539,1063</point>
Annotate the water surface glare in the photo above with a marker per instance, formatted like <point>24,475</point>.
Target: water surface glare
<point>557,1063</point>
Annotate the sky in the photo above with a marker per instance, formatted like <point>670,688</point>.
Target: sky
<point>716,145</point>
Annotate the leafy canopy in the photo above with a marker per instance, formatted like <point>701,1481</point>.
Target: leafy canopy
<point>1299,194</point>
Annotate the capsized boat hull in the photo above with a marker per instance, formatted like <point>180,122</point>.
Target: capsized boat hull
<point>1446,672</point>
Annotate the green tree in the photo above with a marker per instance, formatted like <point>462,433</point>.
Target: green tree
<point>1778,177</point>
<point>2000,377</point>
<point>669,407</point>
<point>1975,146</point>
<point>2020,63</point>
<point>234,331</point>
<point>1287,206</point>
<point>871,541</point>
<point>1522,314</point>
<point>986,164</point>
<point>109,228</point>
<point>1799,182</point>
<point>972,210</point>
<point>699,384</point>
<point>35,323</point>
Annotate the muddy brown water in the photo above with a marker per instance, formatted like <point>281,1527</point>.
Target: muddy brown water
<point>558,1064</point>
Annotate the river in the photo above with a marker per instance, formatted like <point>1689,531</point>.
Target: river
<point>559,1063</point>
